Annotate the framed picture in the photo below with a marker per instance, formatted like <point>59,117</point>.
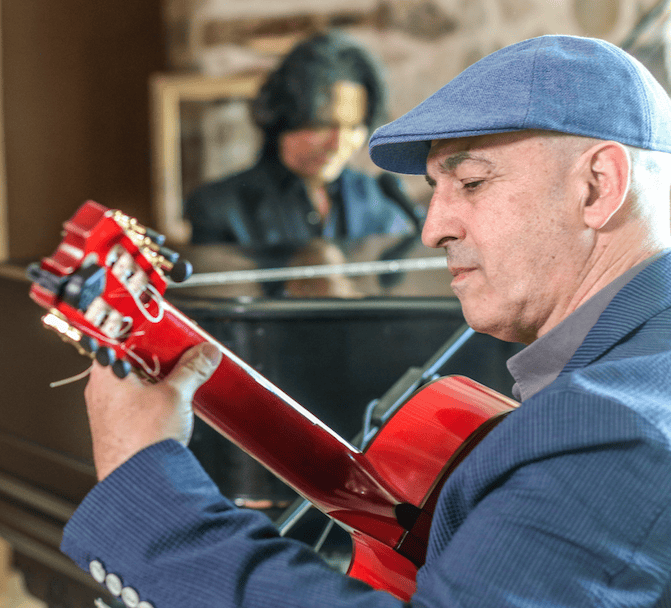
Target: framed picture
<point>202,131</point>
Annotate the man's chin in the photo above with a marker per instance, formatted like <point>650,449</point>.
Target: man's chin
<point>495,327</point>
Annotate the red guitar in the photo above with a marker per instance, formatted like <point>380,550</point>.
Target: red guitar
<point>103,289</point>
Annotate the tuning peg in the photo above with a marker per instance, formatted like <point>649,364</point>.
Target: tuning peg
<point>155,236</point>
<point>44,278</point>
<point>180,271</point>
<point>34,272</point>
<point>89,344</point>
<point>169,254</point>
<point>105,355</point>
<point>121,368</point>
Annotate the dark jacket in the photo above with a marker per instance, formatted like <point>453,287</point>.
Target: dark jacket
<point>268,205</point>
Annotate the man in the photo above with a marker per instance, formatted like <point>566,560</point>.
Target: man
<point>315,110</point>
<point>549,162</point>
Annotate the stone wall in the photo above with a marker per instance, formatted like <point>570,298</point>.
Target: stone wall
<point>423,43</point>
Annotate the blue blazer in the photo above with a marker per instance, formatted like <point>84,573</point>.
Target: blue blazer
<point>567,502</point>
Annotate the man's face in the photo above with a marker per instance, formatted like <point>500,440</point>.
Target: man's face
<point>322,150</point>
<point>506,208</point>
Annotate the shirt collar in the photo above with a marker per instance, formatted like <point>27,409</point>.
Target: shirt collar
<point>539,364</point>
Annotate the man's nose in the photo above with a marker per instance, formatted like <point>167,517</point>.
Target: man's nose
<point>442,224</point>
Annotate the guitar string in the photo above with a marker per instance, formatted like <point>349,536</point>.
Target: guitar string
<point>124,333</point>
<point>124,329</point>
<point>157,297</point>
<point>80,376</point>
<point>157,364</point>
<point>71,379</point>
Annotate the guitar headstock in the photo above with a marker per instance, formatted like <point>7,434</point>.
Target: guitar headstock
<point>104,282</point>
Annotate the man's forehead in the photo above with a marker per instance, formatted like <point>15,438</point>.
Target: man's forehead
<point>451,146</point>
<point>484,148</point>
<point>450,153</point>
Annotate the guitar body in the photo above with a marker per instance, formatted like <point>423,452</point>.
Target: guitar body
<point>103,288</point>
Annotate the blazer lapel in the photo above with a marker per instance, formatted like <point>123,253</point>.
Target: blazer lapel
<point>645,296</point>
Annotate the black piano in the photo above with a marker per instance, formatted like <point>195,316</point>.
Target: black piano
<point>334,325</point>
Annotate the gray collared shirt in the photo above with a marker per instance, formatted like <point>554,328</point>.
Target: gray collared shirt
<point>539,364</point>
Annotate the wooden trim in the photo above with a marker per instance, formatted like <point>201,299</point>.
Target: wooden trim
<point>4,217</point>
<point>5,562</point>
<point>167,91</point>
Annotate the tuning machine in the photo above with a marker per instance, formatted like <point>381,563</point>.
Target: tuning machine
<point>178,270</point>
<point>107,357</point>
<point>78,289</point>
<point>152,243</point>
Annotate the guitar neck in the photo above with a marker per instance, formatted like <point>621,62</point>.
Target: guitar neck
<point>282,435</point>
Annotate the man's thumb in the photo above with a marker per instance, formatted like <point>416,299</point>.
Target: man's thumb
<point>194,368</point>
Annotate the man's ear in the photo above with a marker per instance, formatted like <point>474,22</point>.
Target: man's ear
<point>607,169</point>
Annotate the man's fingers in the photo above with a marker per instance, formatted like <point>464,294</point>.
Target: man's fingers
<point>194,368</point>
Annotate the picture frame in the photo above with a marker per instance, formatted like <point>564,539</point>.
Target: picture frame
<point>4,211</point>
<point>173,98</point>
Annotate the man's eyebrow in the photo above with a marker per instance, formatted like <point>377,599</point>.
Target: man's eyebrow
<point>452,162</point>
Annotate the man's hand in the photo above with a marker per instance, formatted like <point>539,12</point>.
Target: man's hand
<point>129,415</point>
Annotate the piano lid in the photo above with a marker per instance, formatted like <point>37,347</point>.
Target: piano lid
<point>394,266</point>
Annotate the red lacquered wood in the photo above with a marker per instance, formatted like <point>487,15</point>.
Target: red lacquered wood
<point>414,446</point>
<point>382,567</point>
<point>406,463</point>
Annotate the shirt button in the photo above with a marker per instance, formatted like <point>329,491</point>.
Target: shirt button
<point>130,597</point>
<point>113,583</point>
<point>97,571</point>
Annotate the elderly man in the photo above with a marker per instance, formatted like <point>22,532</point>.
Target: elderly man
<point>550,169</point>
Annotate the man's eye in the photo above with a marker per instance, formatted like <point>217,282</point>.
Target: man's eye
<point>473,184</point>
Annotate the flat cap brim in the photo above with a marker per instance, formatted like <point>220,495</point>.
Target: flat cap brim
<point>569,84</point>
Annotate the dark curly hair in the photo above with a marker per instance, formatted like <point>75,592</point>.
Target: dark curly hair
<point>294,92</point>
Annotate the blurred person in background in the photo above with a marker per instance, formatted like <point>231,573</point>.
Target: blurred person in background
<point>316,110</point>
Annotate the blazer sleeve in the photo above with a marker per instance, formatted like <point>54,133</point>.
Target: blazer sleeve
<point>158,530</point>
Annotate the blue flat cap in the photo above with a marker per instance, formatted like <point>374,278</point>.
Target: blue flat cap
<point>569,84</point>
